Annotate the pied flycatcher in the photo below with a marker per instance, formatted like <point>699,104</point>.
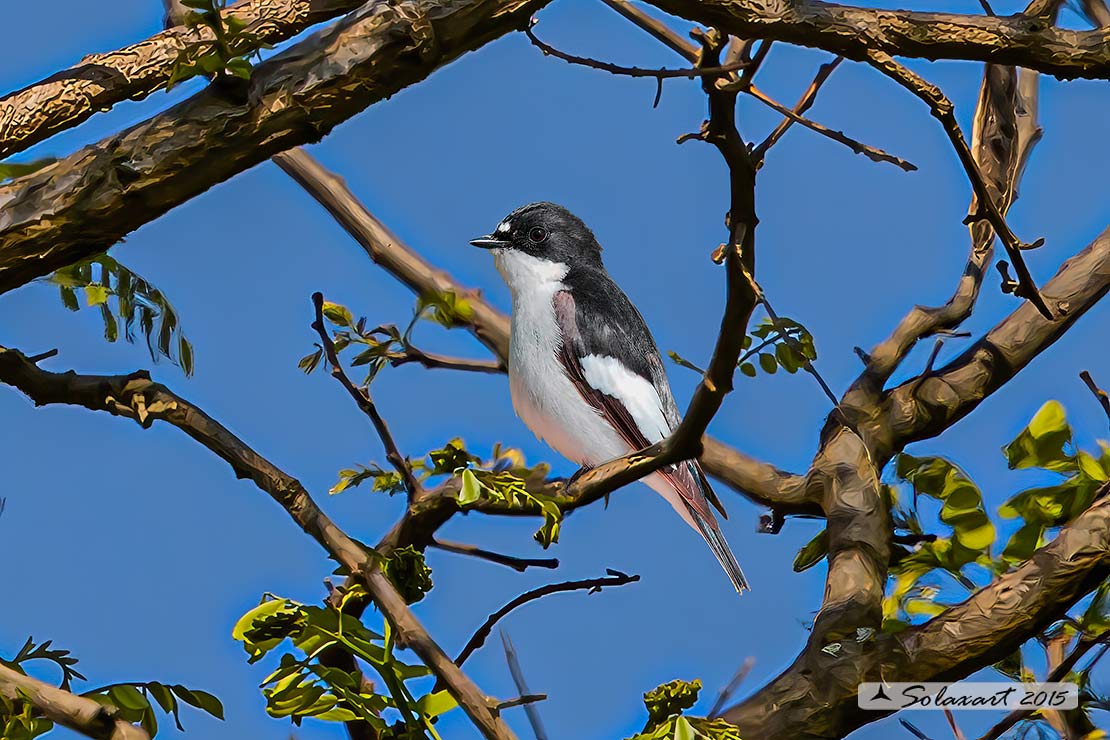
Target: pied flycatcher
<point>584,371</point>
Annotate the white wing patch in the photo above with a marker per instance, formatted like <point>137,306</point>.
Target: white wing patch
<point>639,396</point>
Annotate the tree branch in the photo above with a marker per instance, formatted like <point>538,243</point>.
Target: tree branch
<point>1100,395</point>
<point>100,81</point>
<point>83,204</point>
<point>136,397</point>
<point>1003,137</point>
<point>804,103</point>
<point>873,153</point>
<point>926,406</point>
<point>853,32</point>
<point>988,209</point>
<point>518,564</point>
<point>78,713</point>
<point>361,397</point>
<point>818,692</point>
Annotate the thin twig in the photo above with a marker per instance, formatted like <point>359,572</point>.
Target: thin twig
<point>43,356</point>
<point>873,153</point>
<point>362,398</point>
<point>1101,395</point>
<point>804,103</point>
<point>944,111</point>
<point>521,701</point>
<point>807,365</point>
<point>662,73</point>
<point>517,564</point>
<point>728,690</point>
<point>615,578</point>
<point>530,711</point>
<point>434,361</point>
<point>914,731</point>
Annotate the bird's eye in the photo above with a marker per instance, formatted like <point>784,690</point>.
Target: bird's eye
<point>537,234</point>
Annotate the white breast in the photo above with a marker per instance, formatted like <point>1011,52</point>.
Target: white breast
<point>543,397</point>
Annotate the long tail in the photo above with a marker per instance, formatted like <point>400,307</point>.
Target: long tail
<point>716,541</point>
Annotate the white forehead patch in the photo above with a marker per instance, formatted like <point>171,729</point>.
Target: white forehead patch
<point>504,227</point>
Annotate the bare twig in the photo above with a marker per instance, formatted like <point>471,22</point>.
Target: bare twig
<point>78,713</point>
<point>989,210</point>
<point>804,103</point>
<point>590,585</point>
<point>1101,395</point>
<point>517,673</point>
<point>517,564</point>
<point>434,361</point>
<point>913,730</point>
<point>1004,135</point>
<point>873,153</point>
<point>662,73</point>
<point>729,690</point>
<point>361,397</point>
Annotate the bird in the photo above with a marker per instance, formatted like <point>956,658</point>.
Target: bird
<point>585,374</point>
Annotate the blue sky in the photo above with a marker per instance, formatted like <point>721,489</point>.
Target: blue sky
<point>138,549</point>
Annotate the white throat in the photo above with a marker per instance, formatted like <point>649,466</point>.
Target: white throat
<point>527,276</point>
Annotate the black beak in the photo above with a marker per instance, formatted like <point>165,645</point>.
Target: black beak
<point>487,242</point>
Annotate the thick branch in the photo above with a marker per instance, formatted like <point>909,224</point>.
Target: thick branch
<point>818,692</point>
<point>926,406</point>
<point>853,32</point>
<point>85,203</point>
<point>100,81</point>
<point>136,397</point>
<point>61,707</point>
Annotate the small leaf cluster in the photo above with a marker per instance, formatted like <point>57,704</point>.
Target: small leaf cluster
<point>502,479</point>
<point>1047,444</point>
<point>773,343</point>
<point>216,59</point>
<point>130,701</point>
<point>302,686</point>
<point>665,705</point>
<point>406,568</point>
<point>386,344</point>
<point>127,303</point>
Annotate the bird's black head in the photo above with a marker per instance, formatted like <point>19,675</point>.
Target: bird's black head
<point>546,231</point>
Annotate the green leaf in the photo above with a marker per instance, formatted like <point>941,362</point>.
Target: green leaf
<point>748,369</point>
<point>126,696</point>
<point>95,295</point>
<point>768,363</point>
<point>337,314</point>
<point>1042,443</point>
<point>240,67</point>
<point>813,552</point>
<point>1023,543</point>
<point>471,489</point>
<point>683,362</point>
<point>683,730</point>
<point>433,705</point>
<point>264,627</point>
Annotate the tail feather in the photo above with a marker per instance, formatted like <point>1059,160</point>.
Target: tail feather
<point>716,541</point>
